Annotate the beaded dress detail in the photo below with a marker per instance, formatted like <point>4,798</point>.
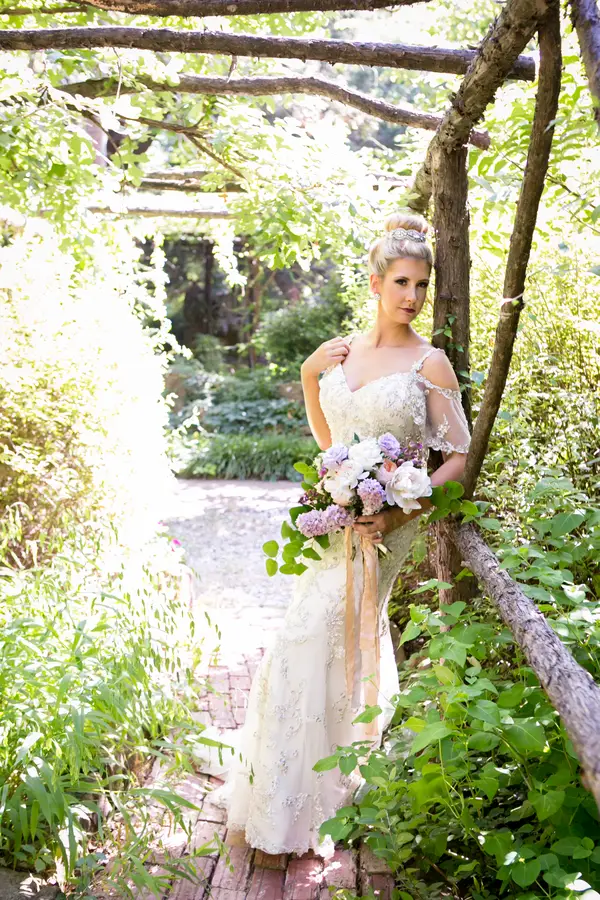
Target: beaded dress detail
<point>298,709</point>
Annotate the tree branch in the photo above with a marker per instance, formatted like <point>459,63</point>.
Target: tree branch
<point>261,85</point>
<point>46,10</point>
<point>153,212</point>
<point>201,8</point>
<point>507,37</point>
<point>571,690</point>
<point>532,186</point>
<point>430,59</point>
<point>586,22</point>
<point>189,186</point>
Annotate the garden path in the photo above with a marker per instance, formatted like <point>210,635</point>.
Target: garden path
<point>222,526</point>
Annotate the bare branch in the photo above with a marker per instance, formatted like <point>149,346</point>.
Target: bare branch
<point>201,8</point>
<point>45,10</point>
<point>261,85</point>
<point>571,690</point>
<point>520,243</point>
<point>586,22</point>
<point>191,186</point>
<point>154,212</point>
<point>507,37</point>
<point>431,59</point>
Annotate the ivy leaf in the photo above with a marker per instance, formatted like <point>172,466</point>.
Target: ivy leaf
<point>454,490</point>
<point>547,804</point>
<point>324,765</point>
<point>368,714</point>
<point>411,631</point>
<point>564,523</point>
<point>483,740</point>
<point>271,548</point>
<point>272,567</point>
<point>526,736</point>
<point>348,764</point>
<point>525,873</point>
<point>432,733</point>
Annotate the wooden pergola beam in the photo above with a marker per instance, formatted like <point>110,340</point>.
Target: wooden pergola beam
<point>202,8</point>
<point>268,84</point>
<point>165,40</point>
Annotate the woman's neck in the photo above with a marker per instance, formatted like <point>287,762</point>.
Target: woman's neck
<point>385,333</point>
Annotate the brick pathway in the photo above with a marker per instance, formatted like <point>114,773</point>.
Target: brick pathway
<point>247,514</point>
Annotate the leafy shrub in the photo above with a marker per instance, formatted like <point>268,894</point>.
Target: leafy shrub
<point>478,790</point>
<point>288,335</point>
<point>268,457</point>
<point>246,385</point>
<point>255,416</point>
<point>209,352</point>
<point>91,680</point>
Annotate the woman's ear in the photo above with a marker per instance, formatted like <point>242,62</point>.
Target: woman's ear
<point>375,284</point>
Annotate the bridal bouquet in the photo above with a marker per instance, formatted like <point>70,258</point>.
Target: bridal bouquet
<point>344,482</point>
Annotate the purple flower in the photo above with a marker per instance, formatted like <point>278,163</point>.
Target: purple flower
<point>335,456</point>
<point>372,495</point>
<point>338,517</point>
<point>313,523</point>
<point>389,445</point>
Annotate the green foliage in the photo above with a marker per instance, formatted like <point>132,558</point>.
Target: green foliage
<point>209,352</point>
<point>255,416</point>
<point>270,457</point>
<point>478,786</point>
<point>92,680</point>
<point>288,335</point>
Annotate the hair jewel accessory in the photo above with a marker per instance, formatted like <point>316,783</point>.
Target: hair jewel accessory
<point>410,233</point>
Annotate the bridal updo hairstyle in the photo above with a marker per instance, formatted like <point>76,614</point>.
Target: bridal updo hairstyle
<point>392,246</point>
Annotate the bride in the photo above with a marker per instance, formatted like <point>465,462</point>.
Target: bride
<point>388,379</point>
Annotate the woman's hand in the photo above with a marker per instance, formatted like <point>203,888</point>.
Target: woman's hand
<point>327,354</point>
<point>377,526</point>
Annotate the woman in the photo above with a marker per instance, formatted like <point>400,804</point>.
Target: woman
<point>388,379</point>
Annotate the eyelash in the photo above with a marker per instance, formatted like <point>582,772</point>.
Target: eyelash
<point>402,281</point>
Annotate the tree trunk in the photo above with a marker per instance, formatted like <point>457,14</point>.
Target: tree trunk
<point>570,688</point>
<point>586,22</point>
<point>508,36</point>
<point>520,243</point>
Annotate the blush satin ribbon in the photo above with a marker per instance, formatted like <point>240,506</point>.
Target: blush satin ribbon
<point>368,626</point>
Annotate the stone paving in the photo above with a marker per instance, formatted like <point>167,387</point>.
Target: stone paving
<point>222,526</point>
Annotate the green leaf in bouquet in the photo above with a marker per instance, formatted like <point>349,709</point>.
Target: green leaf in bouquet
<point>288,568</point>
<point>304,468</point>
<point>287,531</point>
<point>271,548</point>
<point>310,553</point>
<point>295,511</point>
<point>299,568</point>
<point>291,551</point>
<point>272,567</point>
<point>323,540</point>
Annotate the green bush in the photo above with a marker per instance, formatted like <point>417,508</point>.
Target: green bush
<point>268,457</point>
<point>288,335</point>
<point>209,352</point>
<point>255,416</point>
<point>90,683</point>
<point>478,790</point>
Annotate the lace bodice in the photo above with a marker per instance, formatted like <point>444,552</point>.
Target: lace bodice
<point>406,404</point>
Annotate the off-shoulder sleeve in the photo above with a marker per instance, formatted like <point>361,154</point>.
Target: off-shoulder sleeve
<point>446,426</point>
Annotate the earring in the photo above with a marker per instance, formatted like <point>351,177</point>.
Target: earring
<point>377,296</point>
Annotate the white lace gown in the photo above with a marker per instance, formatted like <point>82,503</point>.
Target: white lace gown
<point>299,710</point>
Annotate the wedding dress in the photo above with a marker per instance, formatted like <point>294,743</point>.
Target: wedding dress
<point>299,709</point>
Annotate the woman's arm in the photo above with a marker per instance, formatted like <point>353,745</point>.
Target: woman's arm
<point>328,354</point>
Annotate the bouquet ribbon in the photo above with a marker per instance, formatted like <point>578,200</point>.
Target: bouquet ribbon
<point>368,626</point>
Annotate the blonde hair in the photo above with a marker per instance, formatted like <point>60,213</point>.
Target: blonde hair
<point>392,246</point>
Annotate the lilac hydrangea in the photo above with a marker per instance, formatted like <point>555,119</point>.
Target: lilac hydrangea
<point>313,523</point>
<point>334,456</point>
<point>338,517</point>
<point>372,495</point>
<point>389,445</point>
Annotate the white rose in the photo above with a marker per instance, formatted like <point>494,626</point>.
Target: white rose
<point>406,484</point>
<point>341,483</point>
<point>367,454</point>
<point>341,492</point>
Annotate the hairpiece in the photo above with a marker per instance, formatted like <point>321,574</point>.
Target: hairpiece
<point>410,233</point>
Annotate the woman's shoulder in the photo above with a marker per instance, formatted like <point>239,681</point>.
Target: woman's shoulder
<point>437,368</point>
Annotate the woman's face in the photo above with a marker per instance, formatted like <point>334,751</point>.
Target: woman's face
<point>403,289</point>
